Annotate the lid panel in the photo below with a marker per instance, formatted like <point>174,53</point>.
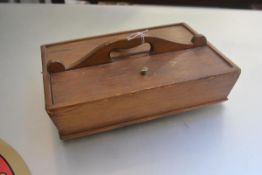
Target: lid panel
<point>123,76</point>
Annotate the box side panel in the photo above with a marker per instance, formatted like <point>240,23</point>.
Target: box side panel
<point>46,82</point>
<point>115,112</point>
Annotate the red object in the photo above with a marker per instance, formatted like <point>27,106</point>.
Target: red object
<point>5,168</point>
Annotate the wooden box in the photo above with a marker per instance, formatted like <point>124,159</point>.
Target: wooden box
<point>100,83</point>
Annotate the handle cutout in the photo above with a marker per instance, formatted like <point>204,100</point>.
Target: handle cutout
<point>144,48</point>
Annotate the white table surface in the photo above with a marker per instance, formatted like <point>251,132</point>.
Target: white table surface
<point>220,139</point>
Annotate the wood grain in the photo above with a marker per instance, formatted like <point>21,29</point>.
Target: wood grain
<point>86,92</point>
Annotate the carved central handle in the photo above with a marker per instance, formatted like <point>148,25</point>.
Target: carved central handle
<point>101,54</point>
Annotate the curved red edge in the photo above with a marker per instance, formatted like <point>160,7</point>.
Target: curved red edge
<point>5,168</point>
